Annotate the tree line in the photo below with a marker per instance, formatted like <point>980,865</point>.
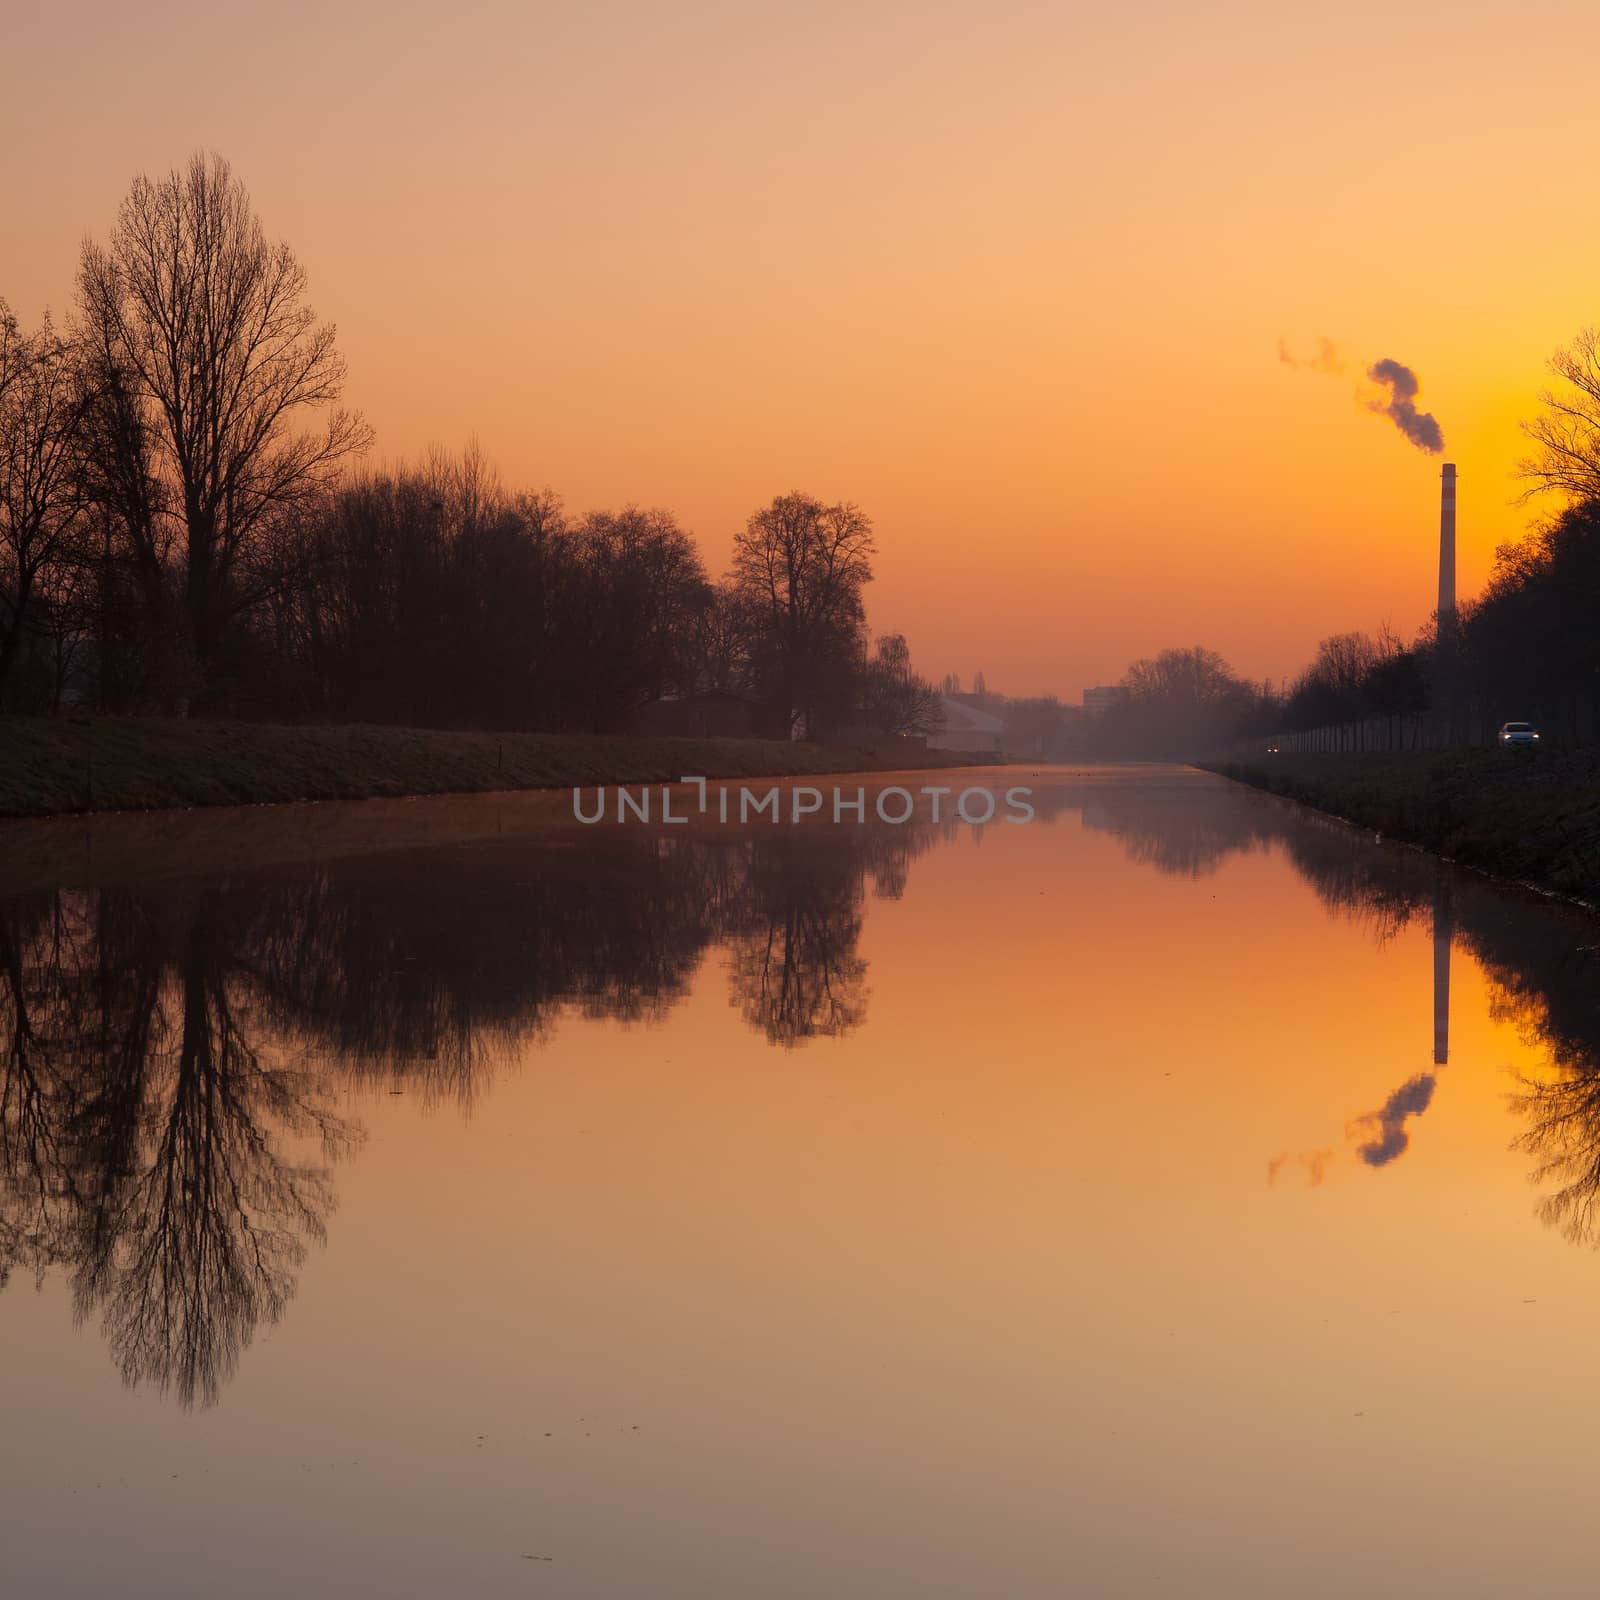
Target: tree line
<point>1526,649</point>
<point>185,527</point>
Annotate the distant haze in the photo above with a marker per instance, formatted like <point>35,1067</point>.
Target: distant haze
<point>1011,278</point>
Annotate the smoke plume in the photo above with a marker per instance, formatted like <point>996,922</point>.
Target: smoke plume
<point>1401,382</point>
<point>1327,359</point>
<point>1409,1100</point>
<point>1314,1161</point>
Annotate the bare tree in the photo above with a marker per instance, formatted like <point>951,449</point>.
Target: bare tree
<point>896,700</point>
<point>1566,460</point>
<point>640,585</point>
<point>203,323</point>
<point>800,566</point>
<point>40,503</point>
<point>1179,702</point>
<point>1190,679</point>
<point>10,346</point>
<point>134,576</point>
<point>720,639</point>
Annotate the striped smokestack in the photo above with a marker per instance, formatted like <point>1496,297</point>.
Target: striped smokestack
<point>1447,543</point>
<point>1443,934</point>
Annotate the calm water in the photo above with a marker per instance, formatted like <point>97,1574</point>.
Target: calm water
<point>1176,1195</point>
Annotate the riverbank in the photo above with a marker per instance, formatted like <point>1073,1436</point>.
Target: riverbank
<point>52,766</point>
<point>1534,818</point>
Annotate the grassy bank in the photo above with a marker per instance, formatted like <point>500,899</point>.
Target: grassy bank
<point>57,765</point>
<point>1533,818</point>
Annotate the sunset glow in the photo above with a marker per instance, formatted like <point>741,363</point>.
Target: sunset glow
<point>1014,280</point>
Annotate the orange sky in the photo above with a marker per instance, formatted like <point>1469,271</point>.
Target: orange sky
<point>1011,277</point>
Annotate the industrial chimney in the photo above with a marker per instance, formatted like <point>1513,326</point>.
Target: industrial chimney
<point>1444,930</point>
<point>1447,544</point>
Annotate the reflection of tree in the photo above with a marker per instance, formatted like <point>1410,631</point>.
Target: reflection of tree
<point>35,1094</point>
<point>197,1241</point>
<point>1562,1107</point>
<point>167,1130</point>
<point>143,1137</point>
<point>1382,891</point>
<point>793,964</point>
<point>1183,831</point>
<point>1190,830</point>
<point>791,913</point>
<point>1563,1137</point>
<point>432,966</point>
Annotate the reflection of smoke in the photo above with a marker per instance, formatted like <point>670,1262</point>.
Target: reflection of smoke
<point>1401,382</point>
<point>1327,358</point>
<point>1409,1100</point>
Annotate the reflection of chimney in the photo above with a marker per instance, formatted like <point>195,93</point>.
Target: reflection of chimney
<point>1447,543</point>
<point>1443,933</point>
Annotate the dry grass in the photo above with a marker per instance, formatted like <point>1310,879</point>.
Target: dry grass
<point>57,765</point>
<point>1534,817</point>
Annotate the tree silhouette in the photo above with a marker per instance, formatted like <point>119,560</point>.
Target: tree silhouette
<point>204,329</point>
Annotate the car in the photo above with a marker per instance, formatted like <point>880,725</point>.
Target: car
<point>1519,733</point>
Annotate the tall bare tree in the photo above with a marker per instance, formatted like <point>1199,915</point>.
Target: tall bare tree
<point>204,326</point>
<point>800,567</point>
<point>1566,436</point>
<point>40,500</point>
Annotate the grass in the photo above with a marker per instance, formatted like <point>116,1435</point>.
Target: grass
<point>51,766</point>
<point>1533,817</point>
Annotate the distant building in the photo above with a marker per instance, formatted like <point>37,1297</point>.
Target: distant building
<point>1096,702</point>
<point>967,728</point>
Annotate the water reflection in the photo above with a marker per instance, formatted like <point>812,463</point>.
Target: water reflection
<point>168,1121</point>
<point>1387,1125</point>
<point>1542,960</point>
<point>178,1048</point>
<point>150,1145</point>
